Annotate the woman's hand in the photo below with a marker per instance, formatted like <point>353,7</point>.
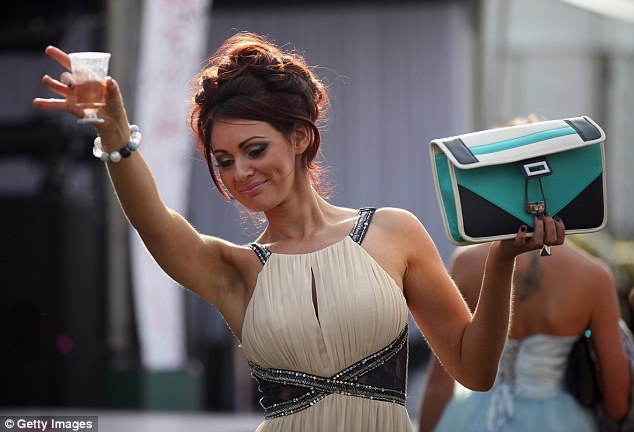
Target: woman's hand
<point>548,232</point>
<point>63,87</point>
<point>115,128</point>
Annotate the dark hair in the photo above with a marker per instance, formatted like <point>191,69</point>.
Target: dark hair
<point>250,78</point>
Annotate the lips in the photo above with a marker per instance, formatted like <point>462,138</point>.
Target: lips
<point>252,188</point>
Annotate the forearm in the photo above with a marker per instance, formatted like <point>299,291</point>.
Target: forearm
<point>133,183</point>
<point>438,388</point>
<point>485,337</point>
<point>137,192</point>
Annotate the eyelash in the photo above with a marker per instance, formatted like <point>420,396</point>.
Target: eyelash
<point>253,153</point>
<point>257,151</point>
<point>223,164</point>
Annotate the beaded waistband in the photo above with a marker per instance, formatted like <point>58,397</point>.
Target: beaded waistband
<point>381,376</point>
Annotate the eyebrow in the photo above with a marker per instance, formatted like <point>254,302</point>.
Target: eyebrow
<point>242,143</point>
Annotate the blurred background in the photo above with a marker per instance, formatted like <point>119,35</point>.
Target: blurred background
<point>89,323</point>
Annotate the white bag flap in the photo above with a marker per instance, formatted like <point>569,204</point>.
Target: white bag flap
<point>515,143</point>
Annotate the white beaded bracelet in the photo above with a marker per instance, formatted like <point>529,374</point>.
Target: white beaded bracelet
<point>125,152</point>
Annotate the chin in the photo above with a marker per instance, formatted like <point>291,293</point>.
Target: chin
<point>254,205</point>
<point>260,202</point>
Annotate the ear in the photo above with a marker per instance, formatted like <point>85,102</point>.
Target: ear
<point>300,138</point>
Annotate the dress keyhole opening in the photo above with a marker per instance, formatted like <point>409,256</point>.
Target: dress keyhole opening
<point>314,294</point>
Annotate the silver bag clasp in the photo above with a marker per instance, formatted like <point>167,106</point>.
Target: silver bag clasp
<point>535,168</point>
<point>535,207</point>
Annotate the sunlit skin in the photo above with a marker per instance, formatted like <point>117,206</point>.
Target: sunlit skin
<point>258,165</point>
<point>262,169</point>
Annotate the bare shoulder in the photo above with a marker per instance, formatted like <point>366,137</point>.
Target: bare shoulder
<point>591,268</point>
<point>397,221</point>
<point>470,253</point>
<point>466,267</point>
<point>395,213</point>
<point>468,262</point>
<point>398,241</point>
<point>577,274</point>
<point>404,229</point>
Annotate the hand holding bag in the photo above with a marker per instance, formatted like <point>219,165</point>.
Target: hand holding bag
<point>489,183</point>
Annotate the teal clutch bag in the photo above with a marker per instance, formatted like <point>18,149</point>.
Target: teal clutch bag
<point>491,182</point>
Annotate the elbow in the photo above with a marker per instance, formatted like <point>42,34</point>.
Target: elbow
<point>477,373</point>
<point>482,385</point>
<point>481,381</point>
<point>617,411</point>
<point>617,407</point>
<point>486,378</point>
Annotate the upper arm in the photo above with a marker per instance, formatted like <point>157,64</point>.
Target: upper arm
<point>432,297</point>
<point>604,324</point>
<point>198,262</point>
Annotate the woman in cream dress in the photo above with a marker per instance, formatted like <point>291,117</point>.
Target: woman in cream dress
<point>320,299</point>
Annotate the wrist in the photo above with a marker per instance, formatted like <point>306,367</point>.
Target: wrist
<point>114,137</point>
<point>105,154</point>
<point>501,254</point>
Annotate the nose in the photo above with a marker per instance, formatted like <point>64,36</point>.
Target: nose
<point>243,169</point>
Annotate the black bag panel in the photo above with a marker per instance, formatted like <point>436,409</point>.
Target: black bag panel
<point>587,209</point>
<point>583,212</point>
<point>481,212</point>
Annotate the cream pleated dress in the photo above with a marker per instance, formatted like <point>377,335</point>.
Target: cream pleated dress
<point>360,317</point>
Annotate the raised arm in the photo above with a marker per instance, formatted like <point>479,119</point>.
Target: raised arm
<point>466,268</point>
<point>200,263</point>
<point>468,345</point>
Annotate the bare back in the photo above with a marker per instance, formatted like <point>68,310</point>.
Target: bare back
<point>559,295</point>
<point>553,295</point>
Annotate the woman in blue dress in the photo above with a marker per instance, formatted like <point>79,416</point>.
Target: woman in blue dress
<point>555,299</point>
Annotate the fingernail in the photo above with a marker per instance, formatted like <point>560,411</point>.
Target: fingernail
<point>557,219</point>
<point>546,213</point>
<point>523,228</point>
<point>540,217</point>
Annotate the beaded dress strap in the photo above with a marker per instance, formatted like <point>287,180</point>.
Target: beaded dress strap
<point>261,251</point>
<point>357,233</point>
<point>362,223</point>
<point>381,376</point>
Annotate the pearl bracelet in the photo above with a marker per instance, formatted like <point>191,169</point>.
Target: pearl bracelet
<point>125,152</point>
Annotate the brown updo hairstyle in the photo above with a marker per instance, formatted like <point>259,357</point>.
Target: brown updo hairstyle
<point>250,78</point>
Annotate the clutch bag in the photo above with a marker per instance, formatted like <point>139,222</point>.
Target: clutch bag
<point>491,182</point>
